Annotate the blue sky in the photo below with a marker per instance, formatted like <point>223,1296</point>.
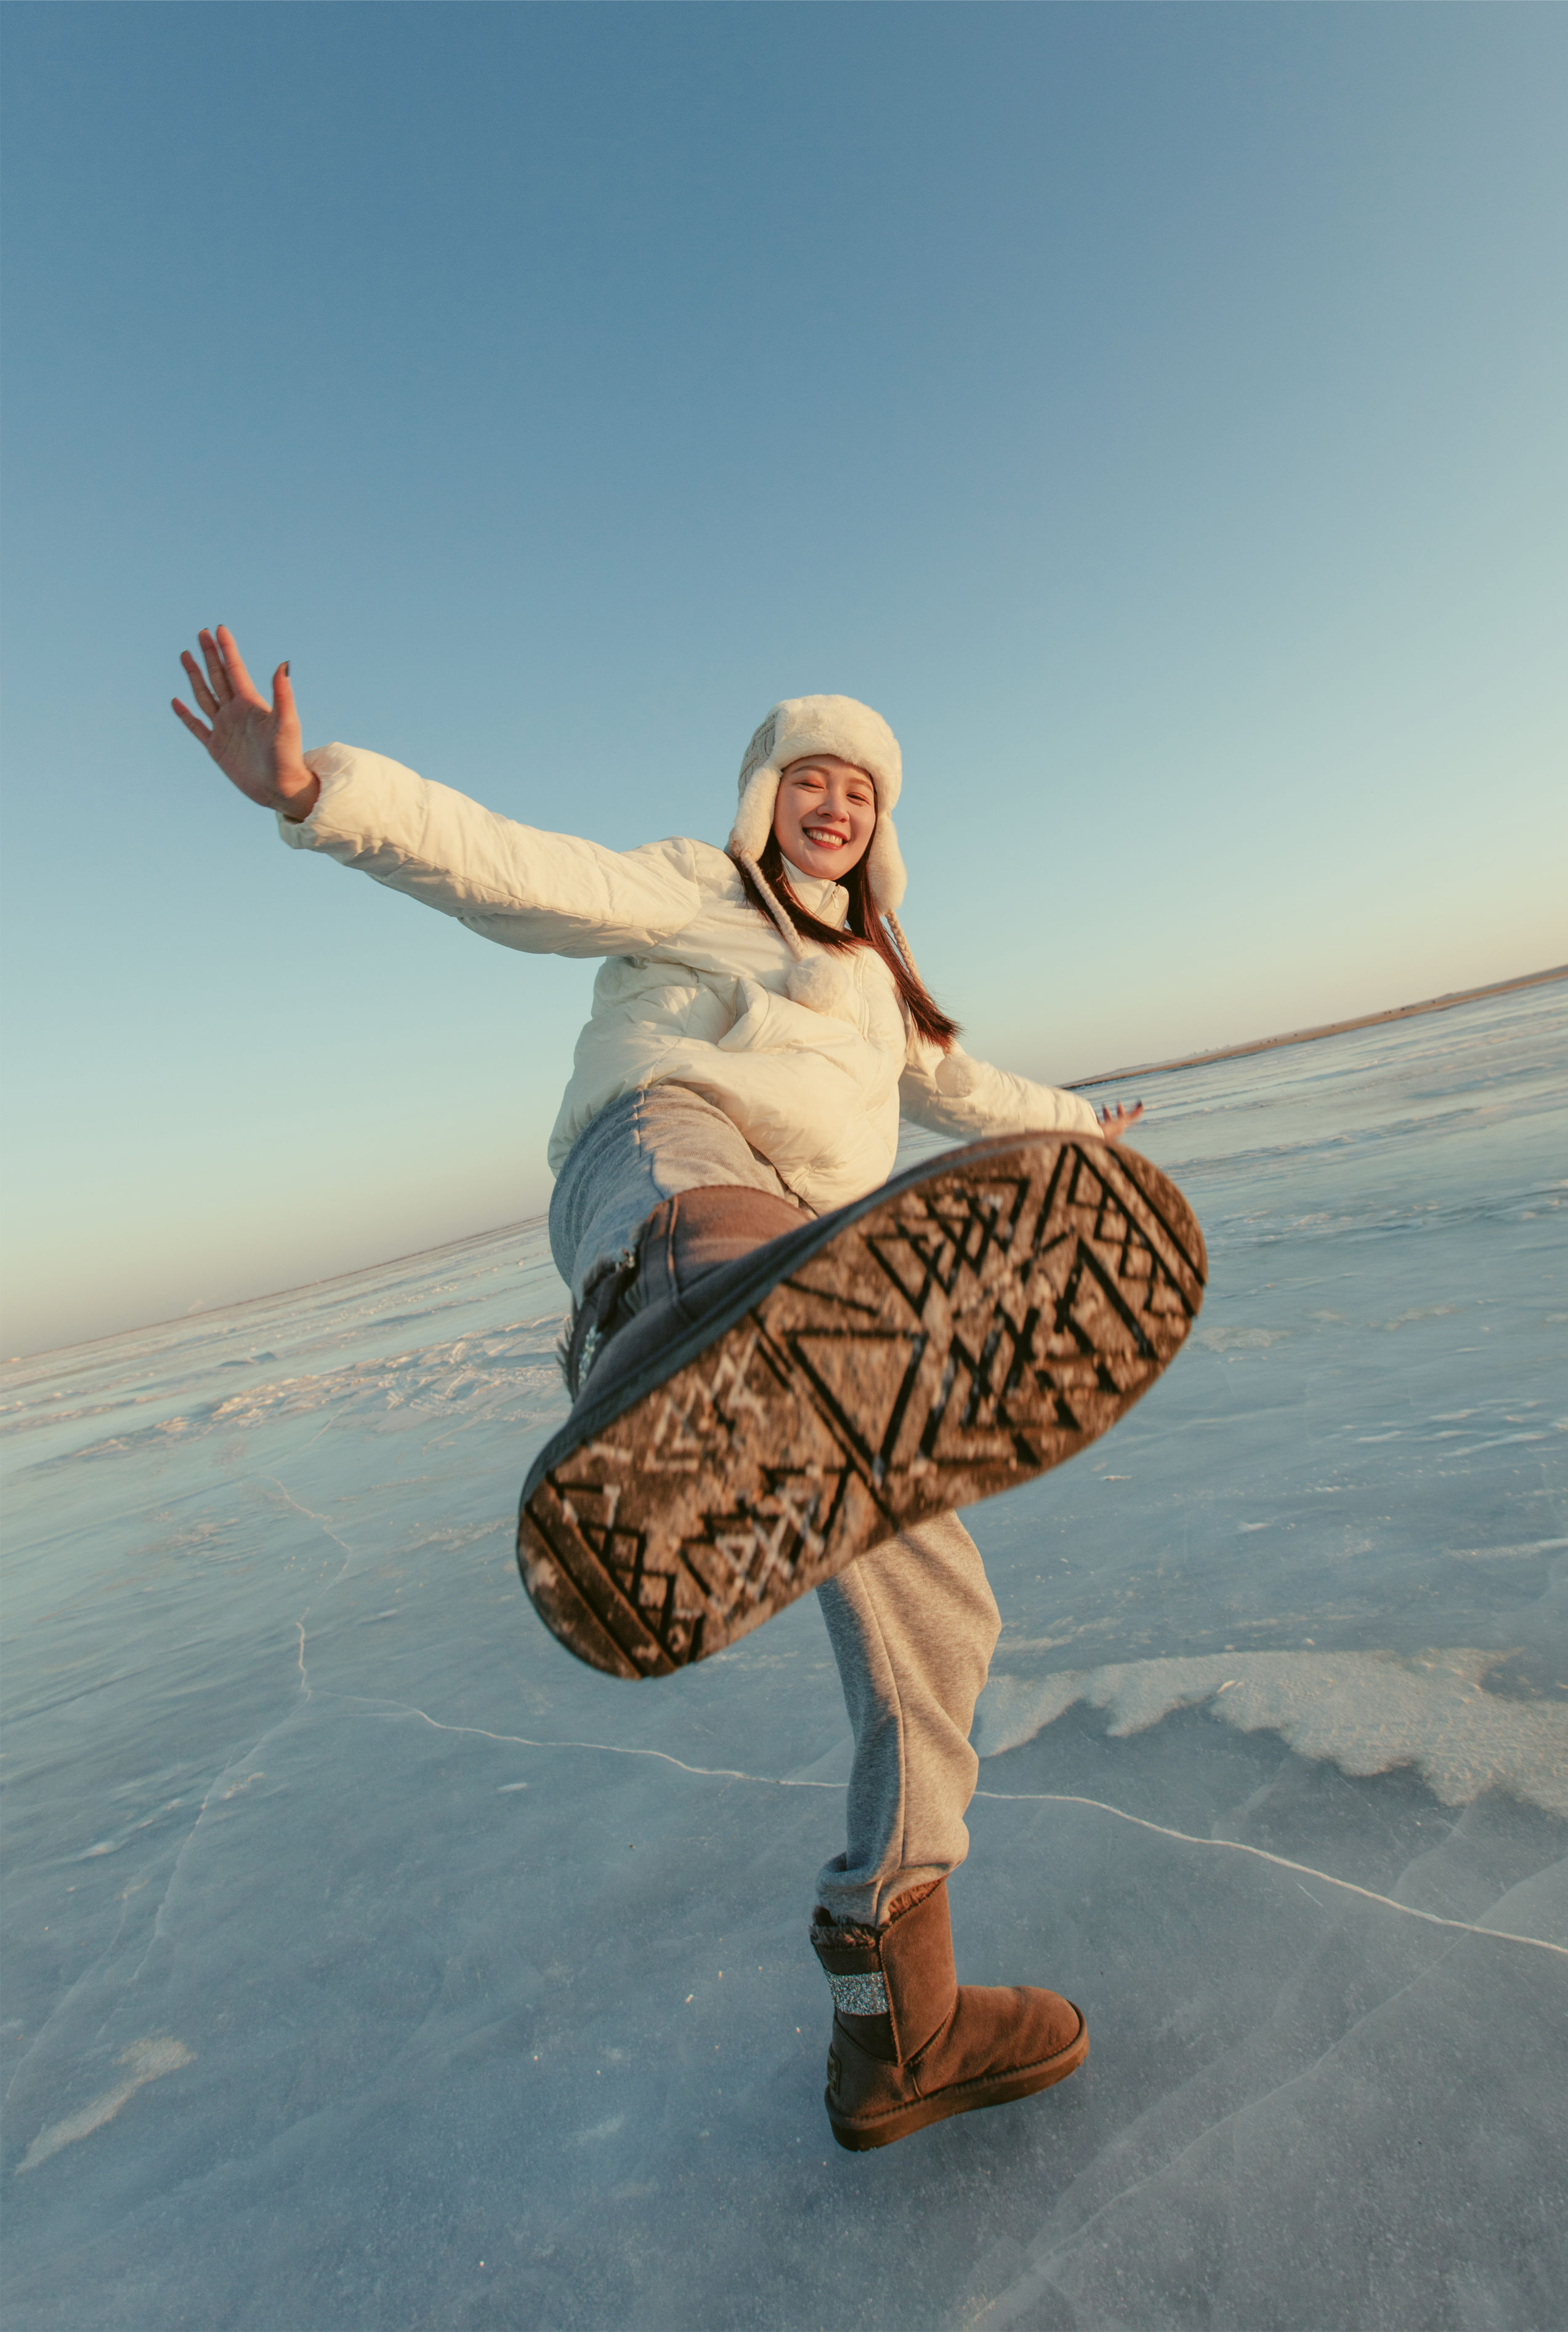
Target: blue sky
<point>1156,412</point>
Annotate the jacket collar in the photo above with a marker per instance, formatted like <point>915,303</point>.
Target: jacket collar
<point>819,895</point>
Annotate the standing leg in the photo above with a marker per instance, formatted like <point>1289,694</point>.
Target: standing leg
<point>913,1626</point>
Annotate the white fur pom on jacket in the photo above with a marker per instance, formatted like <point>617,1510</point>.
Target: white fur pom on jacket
<point>691,989</point>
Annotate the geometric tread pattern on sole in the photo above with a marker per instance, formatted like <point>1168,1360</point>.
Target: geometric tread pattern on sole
<point>975,1329</point>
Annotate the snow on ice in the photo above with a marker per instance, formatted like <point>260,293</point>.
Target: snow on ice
<point>371,1964</point>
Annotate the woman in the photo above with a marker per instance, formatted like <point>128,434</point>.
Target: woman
<point>757,1028</point>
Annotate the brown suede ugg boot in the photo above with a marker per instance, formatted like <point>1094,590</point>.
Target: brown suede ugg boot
<point>910,2046</point>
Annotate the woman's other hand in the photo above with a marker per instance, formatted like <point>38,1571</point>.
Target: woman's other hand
<point>1114,1123</point>
<point>255,744</point>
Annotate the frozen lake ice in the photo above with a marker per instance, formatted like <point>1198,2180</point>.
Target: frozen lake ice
<point>372,1965</point>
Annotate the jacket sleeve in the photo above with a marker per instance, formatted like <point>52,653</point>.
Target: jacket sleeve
<point>952,1094</point>
<point>549,893</point>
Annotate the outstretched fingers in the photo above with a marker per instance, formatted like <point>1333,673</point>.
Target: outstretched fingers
<point>224,682</point>
<point>198,728</point>
<point>1115,1123</point>
<point>202,694</point>
<point>239,679</point>
<point>226,678</point>
<point>218,683</point>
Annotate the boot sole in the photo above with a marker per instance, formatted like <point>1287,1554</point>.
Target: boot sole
<point>952,1334</point>
<point>861,2137</point>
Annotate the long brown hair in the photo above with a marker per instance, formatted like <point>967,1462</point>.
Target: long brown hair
<point>864,927</point>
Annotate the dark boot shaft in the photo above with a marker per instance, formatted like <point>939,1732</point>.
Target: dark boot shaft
<point>683,1242</point>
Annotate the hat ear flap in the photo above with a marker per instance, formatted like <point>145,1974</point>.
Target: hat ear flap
<point>755,818</point>
<point>885,865</point>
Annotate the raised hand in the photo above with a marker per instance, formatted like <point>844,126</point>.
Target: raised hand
<point>1115,1124</point>
<point>255,744</point>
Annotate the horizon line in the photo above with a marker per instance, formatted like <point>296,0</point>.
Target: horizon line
<point>1329,1029</point>
<point>1109,1076</point>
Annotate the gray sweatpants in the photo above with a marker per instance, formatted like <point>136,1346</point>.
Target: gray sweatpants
<point>913,1624</point>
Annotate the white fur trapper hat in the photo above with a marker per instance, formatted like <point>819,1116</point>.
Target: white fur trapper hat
<point>854,732</point>
<point>825,724</point>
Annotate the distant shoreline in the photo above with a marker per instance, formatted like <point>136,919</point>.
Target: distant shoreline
<point>1330,1028</point>
<point>1111,1077</point>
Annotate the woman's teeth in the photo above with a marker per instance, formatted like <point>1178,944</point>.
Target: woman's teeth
<point>823,839</point>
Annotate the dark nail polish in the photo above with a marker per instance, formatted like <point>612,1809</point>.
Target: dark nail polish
<point>285,665</point>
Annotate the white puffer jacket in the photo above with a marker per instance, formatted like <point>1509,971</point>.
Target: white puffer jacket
<point>691,990</point>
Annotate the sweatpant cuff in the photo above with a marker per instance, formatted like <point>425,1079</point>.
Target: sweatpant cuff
<point>853,1899</point>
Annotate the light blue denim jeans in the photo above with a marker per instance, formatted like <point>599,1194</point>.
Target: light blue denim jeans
<point>913,1624</point>
<point>644,1149</point>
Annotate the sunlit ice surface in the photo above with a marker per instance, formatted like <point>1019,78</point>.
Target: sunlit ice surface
<point>371,1963</point>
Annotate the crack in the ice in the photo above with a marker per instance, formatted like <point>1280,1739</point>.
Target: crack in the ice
<point>306,1691</point>
<point>1281,1862</point>
<point>327,1531</point>
<point>62,2006</point>
<point>245,1756</point>
<point>323,1525</point>
<point>233,1764</point>
<point>1008,1797</point>
<point>615,1749</point>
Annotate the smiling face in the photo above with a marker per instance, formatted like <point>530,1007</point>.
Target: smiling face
<point>826,814</point>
